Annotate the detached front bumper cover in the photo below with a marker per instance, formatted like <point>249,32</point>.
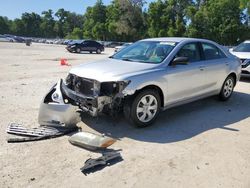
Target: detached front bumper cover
<point>54,111</point>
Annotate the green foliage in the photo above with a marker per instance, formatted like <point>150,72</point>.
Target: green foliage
<point>224,21</point>
<point>168,18</point>
<point>75,34</point>
<point>125,20</point>
<point>4,25</point>
<point>94,22</point>
<point>217,20</point>
<point>48,24</point>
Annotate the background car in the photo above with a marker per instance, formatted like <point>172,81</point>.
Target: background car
<point>118,48</point>
<point>85,45</point>
<point>6,39</point>
<point>242,51</point>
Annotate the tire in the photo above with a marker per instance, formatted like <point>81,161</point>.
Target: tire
<point>98,51</point>
<point>142,110</point>
<point>90,52</point>
<point>78,50</point>
<point>227,88</point>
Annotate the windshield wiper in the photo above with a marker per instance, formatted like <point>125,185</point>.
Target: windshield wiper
<point>126,59</point>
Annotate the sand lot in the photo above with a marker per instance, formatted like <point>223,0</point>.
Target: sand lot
<point>202,144</point>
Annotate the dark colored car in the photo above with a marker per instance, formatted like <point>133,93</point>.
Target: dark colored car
<point>86,45</point>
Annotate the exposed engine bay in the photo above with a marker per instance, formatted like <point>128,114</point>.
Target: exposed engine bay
<point>65,101</point>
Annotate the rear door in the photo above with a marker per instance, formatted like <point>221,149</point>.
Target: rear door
<point>186,81</point>
<point>93,45</point>
<point>216,66</point>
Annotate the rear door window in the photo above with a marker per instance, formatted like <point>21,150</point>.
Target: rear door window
<point>212,52</point>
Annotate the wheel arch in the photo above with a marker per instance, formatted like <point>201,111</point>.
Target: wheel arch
<point>233,74</point>
<point>153,87</point>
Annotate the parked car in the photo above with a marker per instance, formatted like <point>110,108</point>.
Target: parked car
<point>148,76</point>
<point>6,39</point>
<point>112,44</point>
<point>118,48</point>
<point>85,45</point>
<point>242,51</point>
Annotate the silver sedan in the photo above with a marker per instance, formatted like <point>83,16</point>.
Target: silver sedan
<point>141,80</point>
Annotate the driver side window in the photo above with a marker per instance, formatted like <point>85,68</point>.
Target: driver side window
<point>191,51</point>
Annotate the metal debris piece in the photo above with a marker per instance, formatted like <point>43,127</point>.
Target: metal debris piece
<point>91,141</point>
<point>38,133</point>
<point>107,159</point>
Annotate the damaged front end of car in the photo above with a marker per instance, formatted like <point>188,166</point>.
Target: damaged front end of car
<point>66,100</point>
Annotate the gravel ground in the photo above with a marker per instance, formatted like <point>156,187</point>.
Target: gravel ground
<point>202,144</point>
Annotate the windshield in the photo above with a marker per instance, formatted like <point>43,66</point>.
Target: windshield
<point>243,47</point>
<point>146,52</point>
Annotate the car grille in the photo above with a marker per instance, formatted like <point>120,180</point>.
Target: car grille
<point>80,85</point>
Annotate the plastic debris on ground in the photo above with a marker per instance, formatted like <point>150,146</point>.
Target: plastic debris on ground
<point>25,134</point>
<point>107,159</point>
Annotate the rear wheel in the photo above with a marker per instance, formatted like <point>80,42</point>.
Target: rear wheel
<point>227,88</point>
<point>98,51</point>
<point>143,109</point>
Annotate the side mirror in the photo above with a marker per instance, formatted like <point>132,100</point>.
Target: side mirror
<point>180,61</point>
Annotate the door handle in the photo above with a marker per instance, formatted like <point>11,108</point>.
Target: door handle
<point>202,68</point>
<point>227,63</point>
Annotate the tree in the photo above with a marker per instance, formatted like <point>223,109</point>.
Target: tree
<point>48,24</point>
<point>31,24</point>
<point>4,25</point>
<point>217,20</point>
<point>75,34</point>
<point>168,18</point>
<point>125,20</point>
<point>94,21</point>
<point>59,27</point>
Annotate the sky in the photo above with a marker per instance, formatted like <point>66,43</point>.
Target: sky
<point>14,8</point>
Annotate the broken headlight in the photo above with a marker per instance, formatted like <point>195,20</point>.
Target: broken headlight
<point>112,88</point>
<point>69,79</point>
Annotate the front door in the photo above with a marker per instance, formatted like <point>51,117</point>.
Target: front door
<point>186,81</point>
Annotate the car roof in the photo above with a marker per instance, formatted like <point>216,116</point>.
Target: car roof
<point>176,39</point>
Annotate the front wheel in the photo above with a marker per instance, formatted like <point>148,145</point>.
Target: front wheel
<point>227,88</point>
<point>143,109</point>
<point>78,50</point>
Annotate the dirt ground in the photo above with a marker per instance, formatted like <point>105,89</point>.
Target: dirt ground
<point>202,144</point>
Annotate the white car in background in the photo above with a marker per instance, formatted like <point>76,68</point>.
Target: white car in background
<point>6,39</point>
<point>242,51</point>
<point>118,48</point>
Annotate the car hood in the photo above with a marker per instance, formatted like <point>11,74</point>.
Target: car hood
<point>111,69</point>
<point>241,55</point>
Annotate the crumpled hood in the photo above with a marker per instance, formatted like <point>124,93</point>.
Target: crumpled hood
<point>110,69</point>
<point>241,55</point>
